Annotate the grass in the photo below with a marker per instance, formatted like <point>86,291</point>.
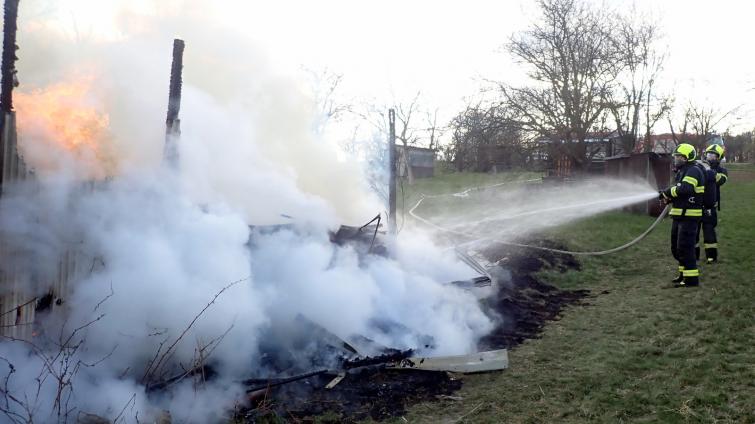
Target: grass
<point>636,352</point>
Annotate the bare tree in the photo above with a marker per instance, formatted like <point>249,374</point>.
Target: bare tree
<point>637,107</point>
<point>409,127</point>
<point>485,136</point>
<point>324,86</point>
<point>740,147</point>
<point>680,133</point>
<point>572,56</point>
<point>434,130</point>
<point>699,122</point>
<point>407,134</point>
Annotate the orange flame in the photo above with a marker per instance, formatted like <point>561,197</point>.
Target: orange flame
<point>62,118</point>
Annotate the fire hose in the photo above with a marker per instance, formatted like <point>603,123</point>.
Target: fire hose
<point>477,238</point>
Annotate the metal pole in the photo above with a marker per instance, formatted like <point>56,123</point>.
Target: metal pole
<point>172,123</point>
<point>392,171</point>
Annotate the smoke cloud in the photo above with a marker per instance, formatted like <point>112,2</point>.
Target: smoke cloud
<point>172,266</point>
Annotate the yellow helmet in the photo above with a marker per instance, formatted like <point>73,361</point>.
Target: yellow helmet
<point>686,150</point>
<point>717,149</point>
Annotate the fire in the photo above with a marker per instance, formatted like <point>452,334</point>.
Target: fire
<point>60,122</point>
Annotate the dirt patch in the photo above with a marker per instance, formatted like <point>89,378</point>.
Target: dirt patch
<point>375,393</point>
<point>523,303</point>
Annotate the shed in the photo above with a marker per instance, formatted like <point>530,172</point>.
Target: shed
<point>652,167</point>
<point>420,159</point>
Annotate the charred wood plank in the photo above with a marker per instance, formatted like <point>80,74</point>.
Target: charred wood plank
<point>176,81</point>
<point>8,65</point>
<point>392,171</point>
<point>387,358</point>
<point>265,384</point>
<point>172,123</point>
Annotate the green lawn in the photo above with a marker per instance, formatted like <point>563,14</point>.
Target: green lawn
<point>636,352</point>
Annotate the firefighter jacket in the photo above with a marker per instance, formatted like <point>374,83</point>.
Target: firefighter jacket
<point>721,176</point>
<point>687,194</point>
<point>710,197</point>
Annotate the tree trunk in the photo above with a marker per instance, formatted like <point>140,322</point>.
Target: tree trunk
<point>408,165</point>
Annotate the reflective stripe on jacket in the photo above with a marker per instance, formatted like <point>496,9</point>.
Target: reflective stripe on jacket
<point>687,194</point>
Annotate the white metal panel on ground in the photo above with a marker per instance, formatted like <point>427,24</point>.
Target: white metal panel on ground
<point>493,360</point>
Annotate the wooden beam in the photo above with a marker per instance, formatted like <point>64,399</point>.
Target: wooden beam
<point>392,171</point>
<point>172,123</point>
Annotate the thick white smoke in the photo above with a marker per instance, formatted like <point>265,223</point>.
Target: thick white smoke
<point>159,258</point>
<point>160,245</point>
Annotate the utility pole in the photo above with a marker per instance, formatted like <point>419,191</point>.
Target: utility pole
<point>392,171</point>
<point>172,123</point>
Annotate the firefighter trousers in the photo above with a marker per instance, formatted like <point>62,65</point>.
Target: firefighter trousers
<point>708,229</point>
<point>683,239</point>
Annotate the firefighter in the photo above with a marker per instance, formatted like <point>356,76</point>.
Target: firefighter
<point>713,155</point>
<point>709,203</point>
<point>686,198</point>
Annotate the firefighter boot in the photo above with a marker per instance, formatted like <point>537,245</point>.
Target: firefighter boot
<point>711,253</point>
<point>680,277</point>
<point>691,278</point>
<point>691,282</point>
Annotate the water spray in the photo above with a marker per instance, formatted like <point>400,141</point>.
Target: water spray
<point>478,238</point>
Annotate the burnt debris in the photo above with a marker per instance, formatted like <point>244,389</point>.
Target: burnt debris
<point>365,239</point>
<point>306,371</point>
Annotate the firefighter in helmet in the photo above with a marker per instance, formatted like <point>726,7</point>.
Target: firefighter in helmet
<point>713,155</point>
<point>709,200</point>
<point>686,198</point>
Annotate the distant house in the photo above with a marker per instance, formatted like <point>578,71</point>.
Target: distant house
<point>599,145</point>
<point>665,143</point>
<point>420,159</point>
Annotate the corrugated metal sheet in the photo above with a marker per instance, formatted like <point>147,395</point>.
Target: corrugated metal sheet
<point>13,166</point>
<point>20,291</point>
<point>17,308</point>
<point>18,286</point>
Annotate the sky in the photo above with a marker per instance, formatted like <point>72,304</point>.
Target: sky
<point>444,49</point>
<point>389,50</point>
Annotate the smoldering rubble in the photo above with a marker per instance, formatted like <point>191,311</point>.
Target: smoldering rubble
<point>202,290</point>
